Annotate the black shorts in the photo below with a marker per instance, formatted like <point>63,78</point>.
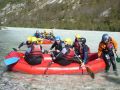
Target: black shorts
<point>33,60</point>
<point>63,61</point>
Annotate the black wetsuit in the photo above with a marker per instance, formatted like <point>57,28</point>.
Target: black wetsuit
<point>109,58</point>
<point>57,47</point>
<point>25,43</point>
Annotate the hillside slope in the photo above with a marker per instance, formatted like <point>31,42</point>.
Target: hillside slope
<point>67,14</point>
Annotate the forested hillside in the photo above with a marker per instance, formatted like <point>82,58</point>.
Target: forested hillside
<point>64,14</point>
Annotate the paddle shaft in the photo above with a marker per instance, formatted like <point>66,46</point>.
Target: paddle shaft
<point>17,50</point>
<point>90,72</point>
<point>50,63</point>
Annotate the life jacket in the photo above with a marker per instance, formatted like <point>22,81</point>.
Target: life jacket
<point>108,47</point>
<point>70,54</point>
<point>81,49</point>
<point>36,50</point>
<point>84,52</point>
<point>76,45</point>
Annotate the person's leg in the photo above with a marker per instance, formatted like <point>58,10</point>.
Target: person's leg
<point>33,60</point>
<point>77,52</point>
<point>55,53</point>
<point>106,58</point>
<point>112,59</point>
<point>62,61</point>
<point>76,59</point>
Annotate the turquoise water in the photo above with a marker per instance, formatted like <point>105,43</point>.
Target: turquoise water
<point>13,36</point>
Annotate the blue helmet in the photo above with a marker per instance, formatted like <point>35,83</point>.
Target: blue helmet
<point>105,38</point>
<point>57,38</point>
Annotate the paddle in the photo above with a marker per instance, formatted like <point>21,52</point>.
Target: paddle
<point>17,50</point>
<point>14,49</point>
<point>50,63</point>
<point>10,61</point>
<point>89,71</point>
<point>7,62</point>
<point>117,58</point>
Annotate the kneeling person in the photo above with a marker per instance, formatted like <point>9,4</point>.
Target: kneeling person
<point>33,55</point>
<point>83,51</point>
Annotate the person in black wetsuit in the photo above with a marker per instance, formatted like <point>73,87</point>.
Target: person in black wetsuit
<point>83,51</point>
<point>105,50</point>
<point>58,45</point>
<point>28,42</point>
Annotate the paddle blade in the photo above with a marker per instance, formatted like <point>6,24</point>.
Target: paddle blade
<point>49,64</point>
<point>118,59</point>
<point>90,72</point>
<point>14,49</point>
<point>10,61</point>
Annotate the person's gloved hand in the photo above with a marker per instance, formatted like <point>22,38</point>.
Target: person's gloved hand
<point>79,56</point>
<point>53,58</point>
<point>57,50</point>
<point>115,50</point>
<point>99,57</point>
<point>18,48</point>
<point>83,65</point>
<point>49,51</point>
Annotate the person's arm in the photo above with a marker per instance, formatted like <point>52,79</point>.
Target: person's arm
<point>100,50</point>
<point>114,43</point>
<point>28,51</point>
<point>62,46</point>
<point>73,45</point>
<point>85,54</point>
<point>53,46</point>
<point>23,43</point>
<point>42,49</point>
<point>64,51</point>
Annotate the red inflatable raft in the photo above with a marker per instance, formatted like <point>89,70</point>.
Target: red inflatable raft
<point>96,65</point>
<point>46,41</point>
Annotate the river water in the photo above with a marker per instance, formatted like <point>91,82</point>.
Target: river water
<point>11,37</point>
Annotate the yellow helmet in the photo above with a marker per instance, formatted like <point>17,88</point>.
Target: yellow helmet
<point>77,36</point>
<point>34,39</point>
<point>29,38</point>
<point>39,39</point>
<point>68,41</point>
